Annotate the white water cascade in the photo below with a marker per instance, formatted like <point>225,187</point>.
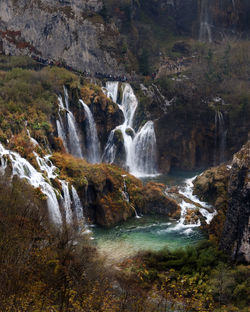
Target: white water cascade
<point>67,202</point>
<point>77,205</point>
<point>68,133</point>
<point>137,163</point>
<point>205,33</point>
<point>24,170</point>
<point>220,137</point>
<point>112,90</point>
<point>143,156</point>
<point>207,211</point>
<point>192,203</point>
<point>92,141</point>
<point>56,201</point>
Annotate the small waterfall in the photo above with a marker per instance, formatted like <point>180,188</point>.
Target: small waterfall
<point>145,139</point>
<point>128,107</point>
<point>144,158</point>
<point>187,191</point>
<point>24,170</point>
<point>112,90</point>
<point>205,21</point>
<point>125,191</point>
<point>92,141</point>
<point>73,136</point>
<point>219,138</point>
<point>77,205</point>
<point>70,137</point>
<point>126,196</point>
<point>79,212</point>
<point>110,149</point>
<point>62,133</point>
<point>67,202</point>
<point>33,141</point>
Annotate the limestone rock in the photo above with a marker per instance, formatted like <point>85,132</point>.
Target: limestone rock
<point>58,30</point>
<point>236,234</point>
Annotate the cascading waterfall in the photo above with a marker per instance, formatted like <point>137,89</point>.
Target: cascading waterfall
<point>207,211</point>
<point>112,90</point>
<point>24,170</point>
<point>143,158</point>
<point>71,141</point>
<point>62,133</point>
<point>77,205</point>
<point>144,139</point>
<point>205,21</point>
<point>219,138</point>
<point>110,149</point>
<point>67,202</point>
<point>126,196</point>
<point>69,205</point>
<point>125,191</point>
<point>192,203</point>
<point>92,141</point>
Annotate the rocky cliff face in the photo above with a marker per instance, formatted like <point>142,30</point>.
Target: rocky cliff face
<point>227,187</point>
<point>59,30</point>
<point>236,234</point>
<point>94,35</point>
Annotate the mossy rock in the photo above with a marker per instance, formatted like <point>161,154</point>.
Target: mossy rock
<point>118,137</point>
<point>130,132</point>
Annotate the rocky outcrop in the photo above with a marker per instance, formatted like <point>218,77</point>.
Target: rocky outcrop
<point>227,187</point>
<point>211,186</point>
<point>156,202</point>
<point>58,30</point>
<point>110,195</point>
<point>106,113</point>
<point>236,234</point>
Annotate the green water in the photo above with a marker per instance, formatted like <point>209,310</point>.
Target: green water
<point>148,232</point>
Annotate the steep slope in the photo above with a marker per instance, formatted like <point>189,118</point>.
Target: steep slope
<point>236,234</point>
<point>58,30</point>
<point>114,37</point>
<point>227,187</point>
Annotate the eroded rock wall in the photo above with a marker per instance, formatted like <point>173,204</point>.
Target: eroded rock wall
<point>236,234</point>
<point>59,30</point>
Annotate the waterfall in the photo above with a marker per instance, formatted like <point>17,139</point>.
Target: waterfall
<point>78,208</point>
<point>92,141</point>
<point>110,149</point>
<point>205,21</point>
<point>62,133</point>
<point>138,162</point>
<point>207,211</point>
<point>126,196</point>
<point>143,160</point>
<point>112,90</point>
<point>73,136</point>
<point>24,170</point>
<point>67,202</point>
<point>77,205</point>
<point>219,138</point>
<point>70,138</point>
<point>125,191</point>
<point>33,141</point>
